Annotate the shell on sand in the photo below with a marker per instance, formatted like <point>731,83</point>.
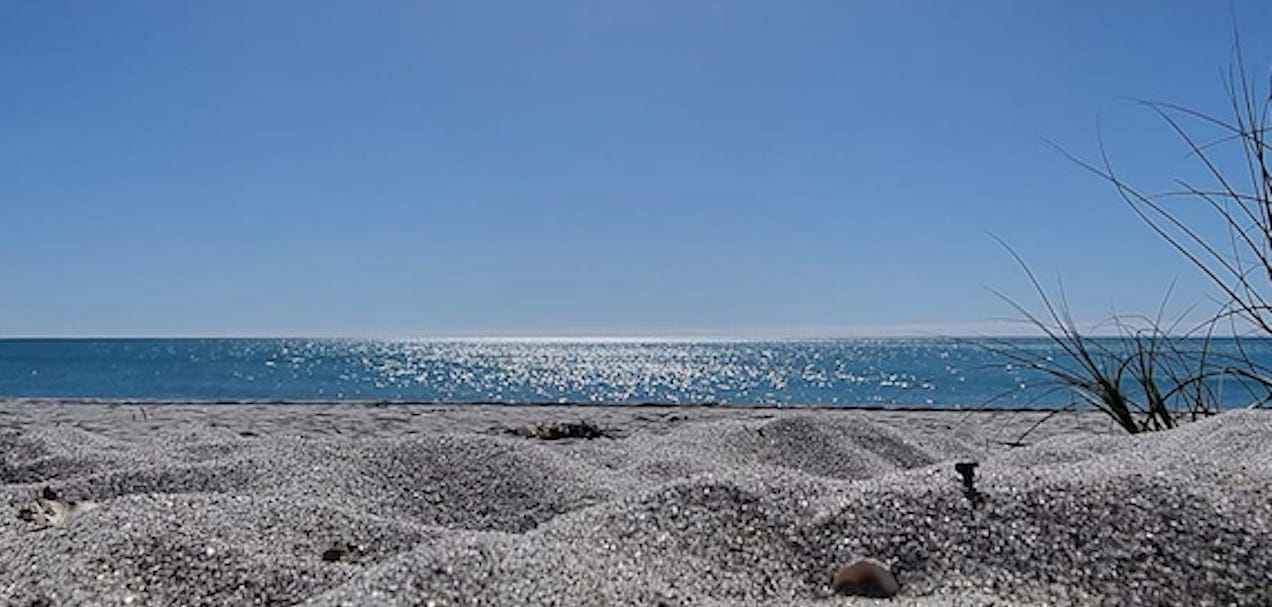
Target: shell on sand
<point>865,577</point>
<point>57,513</point>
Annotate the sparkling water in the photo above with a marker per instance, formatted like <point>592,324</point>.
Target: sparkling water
<point>895,372</point>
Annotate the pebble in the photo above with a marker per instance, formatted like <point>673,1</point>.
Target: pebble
<point>865,577</point>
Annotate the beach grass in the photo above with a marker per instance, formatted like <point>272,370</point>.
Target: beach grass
<point>1144,380</point>
<point>1141,378</point>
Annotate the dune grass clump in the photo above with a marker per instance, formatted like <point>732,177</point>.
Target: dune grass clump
<point>1143,378</point>
<point>1233,250</point>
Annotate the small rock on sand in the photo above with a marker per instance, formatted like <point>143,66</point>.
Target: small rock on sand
<point>865,577</point>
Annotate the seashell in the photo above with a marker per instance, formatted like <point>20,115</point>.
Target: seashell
<point>342,552</point>
<point>50,511</point>
<point>865,577</point>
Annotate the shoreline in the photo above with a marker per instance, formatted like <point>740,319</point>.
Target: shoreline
<point>76,400</point>
<point>391,418</point>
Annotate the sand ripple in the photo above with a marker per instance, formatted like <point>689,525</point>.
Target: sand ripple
<point>692,507</point>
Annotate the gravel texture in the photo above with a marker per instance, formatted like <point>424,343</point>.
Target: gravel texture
<point>384,504</point>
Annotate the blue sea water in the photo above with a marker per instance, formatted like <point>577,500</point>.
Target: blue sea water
<point>896,372</point>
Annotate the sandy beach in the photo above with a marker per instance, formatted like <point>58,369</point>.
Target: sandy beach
<point>388,504</point>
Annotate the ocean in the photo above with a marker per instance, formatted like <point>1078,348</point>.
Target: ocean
<point>942,373</point>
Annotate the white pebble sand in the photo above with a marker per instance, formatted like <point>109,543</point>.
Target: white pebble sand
<point>375,504</point>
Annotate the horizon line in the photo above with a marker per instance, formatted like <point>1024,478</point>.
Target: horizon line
<point>990,328</point>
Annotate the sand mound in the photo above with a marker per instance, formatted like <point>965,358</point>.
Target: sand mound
<point>717,507</point>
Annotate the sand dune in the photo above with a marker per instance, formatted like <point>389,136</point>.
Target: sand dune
<point>462,505</point>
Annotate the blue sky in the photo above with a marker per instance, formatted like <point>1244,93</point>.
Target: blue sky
<point>537,168</point>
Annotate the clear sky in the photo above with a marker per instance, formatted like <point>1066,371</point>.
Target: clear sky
<point>426,168</point>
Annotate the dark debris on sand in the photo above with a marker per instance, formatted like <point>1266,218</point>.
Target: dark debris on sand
<point>551,431</point>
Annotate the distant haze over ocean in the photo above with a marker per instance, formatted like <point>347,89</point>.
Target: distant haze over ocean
<point>974,329</point>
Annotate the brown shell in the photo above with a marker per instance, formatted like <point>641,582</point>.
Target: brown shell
<point>865,577</point>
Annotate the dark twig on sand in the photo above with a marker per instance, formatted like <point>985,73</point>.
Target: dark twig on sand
<point>967,470</point>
